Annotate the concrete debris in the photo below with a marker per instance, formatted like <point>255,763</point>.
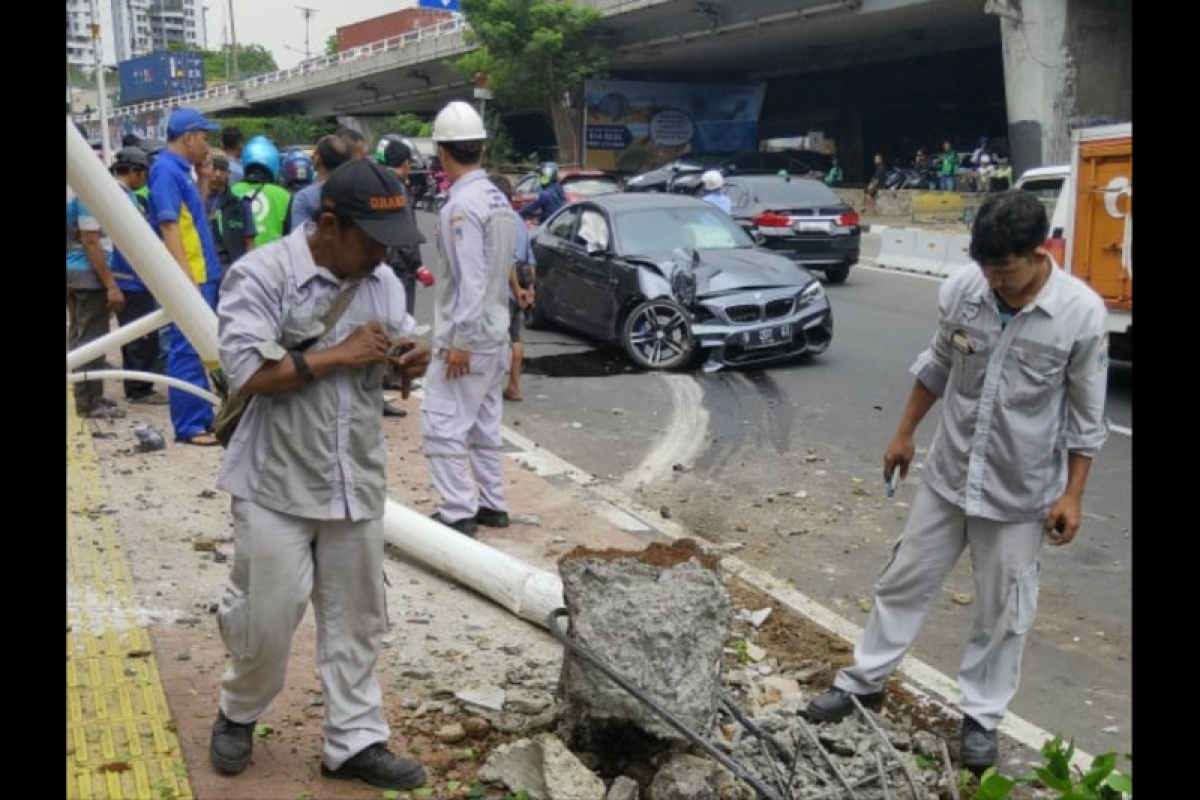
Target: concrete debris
<point>487,697</point>
<point>757,618</point>
<point>623,788</point>
<point>543,768</point>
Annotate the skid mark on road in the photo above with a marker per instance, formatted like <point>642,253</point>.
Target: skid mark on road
<point>682,439</point>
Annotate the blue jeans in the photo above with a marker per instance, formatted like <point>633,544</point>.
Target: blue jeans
<point>190,415</point>
<point>946,183</point>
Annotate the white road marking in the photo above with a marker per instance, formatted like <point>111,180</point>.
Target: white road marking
<point>1121,429</point>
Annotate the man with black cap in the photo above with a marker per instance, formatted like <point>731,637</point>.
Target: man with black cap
<point>177,213</point>
<point>309,326</point>
<point>141,355</point>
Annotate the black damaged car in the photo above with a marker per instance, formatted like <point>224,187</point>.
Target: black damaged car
<point>674,281</point>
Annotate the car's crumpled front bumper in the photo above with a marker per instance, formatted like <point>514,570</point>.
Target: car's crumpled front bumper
<point>732,344</point>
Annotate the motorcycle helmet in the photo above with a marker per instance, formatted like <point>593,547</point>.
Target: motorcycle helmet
<point>297,170</point>
<point>712,180</point>
<point>392,151</point>
<point>260,157</point>
<point>549,174</point>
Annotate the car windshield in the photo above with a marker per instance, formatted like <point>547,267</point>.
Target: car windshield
<point>785,194</point>
<point>591,186</point>
<point>658,232</point>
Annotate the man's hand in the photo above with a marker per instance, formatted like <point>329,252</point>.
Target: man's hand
<point>899,453</point>
<point>367,345</point>
<point>115,299</point>
<point>525,297</point>
<point>1063,521</point>
<point>458,363</point>
<point>409,358</point>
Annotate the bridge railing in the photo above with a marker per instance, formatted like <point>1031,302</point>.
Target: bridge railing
<point>304,68</point>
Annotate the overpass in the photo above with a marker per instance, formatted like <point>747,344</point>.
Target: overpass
<point>1046,52</point>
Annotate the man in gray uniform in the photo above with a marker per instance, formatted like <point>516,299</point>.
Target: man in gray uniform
<point>305,468</point>
<point>1020,362</point>
<point>461,409</point>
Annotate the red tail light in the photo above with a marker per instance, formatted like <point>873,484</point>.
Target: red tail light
<point>847,219</point>
<point>770,219</point>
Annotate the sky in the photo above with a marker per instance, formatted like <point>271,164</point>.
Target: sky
<point>278,25</point>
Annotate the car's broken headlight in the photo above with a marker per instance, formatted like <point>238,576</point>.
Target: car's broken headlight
<point>683,286</point>
<point>810,294</point>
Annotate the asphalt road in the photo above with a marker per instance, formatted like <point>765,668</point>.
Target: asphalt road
<point>787,461</point>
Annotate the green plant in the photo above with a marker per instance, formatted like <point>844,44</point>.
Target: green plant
<point>1101,781</point>
<point>741,649</point>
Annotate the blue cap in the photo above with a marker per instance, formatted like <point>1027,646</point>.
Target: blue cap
<point>186,120</point>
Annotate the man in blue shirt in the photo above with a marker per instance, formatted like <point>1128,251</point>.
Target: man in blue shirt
<point>92,296</point>
<point>177,213</point>
<point>550,199</point>
<point>130,167</point>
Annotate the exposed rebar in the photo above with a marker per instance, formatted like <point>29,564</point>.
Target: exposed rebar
<point>887,743</point>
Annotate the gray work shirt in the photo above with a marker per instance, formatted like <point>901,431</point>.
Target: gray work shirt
<point>477,235</point>
<point>1017,399</point>
<point>316,452</point>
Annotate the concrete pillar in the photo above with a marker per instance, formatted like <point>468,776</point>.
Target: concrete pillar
<point>1067,63</point>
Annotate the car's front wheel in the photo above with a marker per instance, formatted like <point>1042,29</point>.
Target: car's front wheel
<point>657,334</point>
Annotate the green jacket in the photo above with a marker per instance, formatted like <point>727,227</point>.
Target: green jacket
<point>270,202</point>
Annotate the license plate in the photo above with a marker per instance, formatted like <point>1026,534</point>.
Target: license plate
<point>812,227</point>
<point>767,337</point>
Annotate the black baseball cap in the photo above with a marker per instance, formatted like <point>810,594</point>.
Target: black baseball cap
<point>131,156</point>
<point>371,196</point>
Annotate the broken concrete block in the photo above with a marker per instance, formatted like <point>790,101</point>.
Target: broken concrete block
<point>543,768</point>
<point>658,617</point>
<point>686,777</point>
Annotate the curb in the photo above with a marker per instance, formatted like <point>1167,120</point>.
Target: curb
<point>923,680</point>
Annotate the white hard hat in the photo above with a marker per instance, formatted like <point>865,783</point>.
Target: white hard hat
<point>712,180</point>
<point>458,122</point>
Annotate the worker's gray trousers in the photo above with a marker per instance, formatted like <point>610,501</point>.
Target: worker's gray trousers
<point>279,562</point>
<point>1004,560</point>
<point>460,426</point>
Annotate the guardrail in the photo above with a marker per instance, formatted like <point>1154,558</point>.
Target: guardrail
<point>308,67</point>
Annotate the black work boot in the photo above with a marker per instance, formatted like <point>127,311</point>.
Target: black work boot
<point>466,526</point>
<point>836,704</point>
<point>231,745</point>
<point>491,518</point>
<point>380,767</point>
<point>979,748</point>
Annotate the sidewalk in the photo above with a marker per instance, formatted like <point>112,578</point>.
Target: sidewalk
<point>162,533</point>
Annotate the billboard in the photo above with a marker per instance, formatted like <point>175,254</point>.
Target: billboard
<point>634,125</point>
<point>157,76</point>
<point>440,5</point>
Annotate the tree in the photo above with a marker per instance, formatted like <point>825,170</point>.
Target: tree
<point>536,54</point>
<point>252,59</point>
<point>331,45</point>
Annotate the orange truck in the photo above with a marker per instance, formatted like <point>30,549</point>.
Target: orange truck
<point>1094,214</point>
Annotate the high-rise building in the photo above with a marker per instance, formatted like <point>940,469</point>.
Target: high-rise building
<point>146,26</point>
<point>80,50</point>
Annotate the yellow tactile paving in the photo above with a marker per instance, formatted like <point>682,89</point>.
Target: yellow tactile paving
<point>121,742</point>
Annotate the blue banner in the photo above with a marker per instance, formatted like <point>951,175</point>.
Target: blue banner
<point>631,124</point>
<point>440,5</point>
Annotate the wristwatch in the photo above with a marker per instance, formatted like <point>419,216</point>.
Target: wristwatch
<point>302,369</point>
